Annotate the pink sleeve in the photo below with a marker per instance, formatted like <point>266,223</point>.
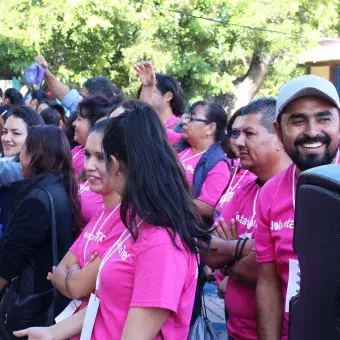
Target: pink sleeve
<point>155,272</point>
<point>264,243</point>
<point>173,136</point>
<point>215,184</point>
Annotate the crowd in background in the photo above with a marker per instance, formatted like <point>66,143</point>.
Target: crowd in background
<point>149,200</point>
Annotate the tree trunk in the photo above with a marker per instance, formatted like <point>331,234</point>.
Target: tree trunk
<point>245,88</point>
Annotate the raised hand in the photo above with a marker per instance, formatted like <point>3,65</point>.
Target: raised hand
<point>146,73</point>
<point>41,61</point>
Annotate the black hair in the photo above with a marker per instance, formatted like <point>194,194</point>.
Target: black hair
<point>100,126</point>
<point>51,116</point>
<point>50,151</point>
<point>100,86</point>
<point>164,84</point>
<point>14,97</point>
<point>94,108</point>
<point>53,104</point>
<point>215,113</point>
<point>29,116</point>
<point>156,189</point>
<point>39,96</point>
<point>129,104</point>
<point>69,129</point>
<point>230,124</point>
<point>266,107</point>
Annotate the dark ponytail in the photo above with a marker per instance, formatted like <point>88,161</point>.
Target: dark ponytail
<point>156,188</point>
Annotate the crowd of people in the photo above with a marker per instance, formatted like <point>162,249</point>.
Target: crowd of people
<point>146,195</point>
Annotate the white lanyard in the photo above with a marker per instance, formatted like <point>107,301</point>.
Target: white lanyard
<point>95,226</point>
<point>232,188</point>
<point>254,204</point>
<point>83,187</point>
<point>119,243</point>
<point>74,156</point>
<point>191,157</point>
<point>293,179</point>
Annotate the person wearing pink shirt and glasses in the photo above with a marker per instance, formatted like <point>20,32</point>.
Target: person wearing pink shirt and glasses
<point>262,154</point>
<point>308,125</point>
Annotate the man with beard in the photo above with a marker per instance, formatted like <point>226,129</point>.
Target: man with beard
<point>308,125</point>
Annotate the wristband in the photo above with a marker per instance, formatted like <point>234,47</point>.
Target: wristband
<point>238,256</point>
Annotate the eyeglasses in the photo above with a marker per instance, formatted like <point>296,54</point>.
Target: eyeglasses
<point>193,119</point>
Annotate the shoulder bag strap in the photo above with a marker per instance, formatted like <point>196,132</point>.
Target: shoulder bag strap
<point>54,230</point>
<point>50,318</point>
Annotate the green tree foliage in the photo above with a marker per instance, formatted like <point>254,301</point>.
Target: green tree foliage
<point>81,38</point>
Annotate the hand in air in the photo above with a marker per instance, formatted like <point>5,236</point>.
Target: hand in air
<point>35,333</point>
<point>222,229</point>
<point>41,61</point>
<point>146,73</point>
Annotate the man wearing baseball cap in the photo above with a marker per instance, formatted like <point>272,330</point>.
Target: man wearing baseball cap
<point>307,122</point>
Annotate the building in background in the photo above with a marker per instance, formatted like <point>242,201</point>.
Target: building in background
<point>324,61</point>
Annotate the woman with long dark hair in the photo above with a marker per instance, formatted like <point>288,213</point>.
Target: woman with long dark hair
<point>47,165</point>
<point>147,280</point>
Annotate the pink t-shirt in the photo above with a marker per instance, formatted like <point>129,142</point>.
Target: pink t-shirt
<point>240,300</point>
<point>99,235</point>
<point>173,137</point>
<point>90,201</point>
<point>215,182</point>
<point>238,178</point>
<point>150,272</point>
<point>173,120</point>
<point>78,157</point>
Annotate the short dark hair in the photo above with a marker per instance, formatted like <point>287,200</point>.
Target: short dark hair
<point>51,116</point>
<point>50,151</point>
<point>14,96</point>
<point>29,116</point>
<point>130,104</point>
<point>94,108</point>
<point>215,113</point>
<point>53,104</point>
<point>266,107</point>
<point>155,182</point>
<point>166,83</point>
<point>39,95</point>
<point>100,86</point>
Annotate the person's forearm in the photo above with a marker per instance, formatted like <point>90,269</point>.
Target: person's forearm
<point>69,327</point>
<point>204,209</point>
<point>244,272</point>
<point>269,310</point>
<point>146,94</point>
<point>58,89</point>
<point>81,283</point>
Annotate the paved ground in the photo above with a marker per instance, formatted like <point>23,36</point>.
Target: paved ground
<point>215,310</point>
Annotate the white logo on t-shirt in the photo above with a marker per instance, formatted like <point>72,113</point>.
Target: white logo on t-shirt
<point>190,168</point>
<point>278,225</point>
<point>98,236</point>
<point>248,222</point>
<point>122,252</point>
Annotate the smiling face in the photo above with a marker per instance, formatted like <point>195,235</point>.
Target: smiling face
<point>82,130</point>
<point>310,132</point>
<point>95,167</point>
<point>13,136</point>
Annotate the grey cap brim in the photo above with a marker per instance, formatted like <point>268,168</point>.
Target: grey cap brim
<point>309,91</point>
